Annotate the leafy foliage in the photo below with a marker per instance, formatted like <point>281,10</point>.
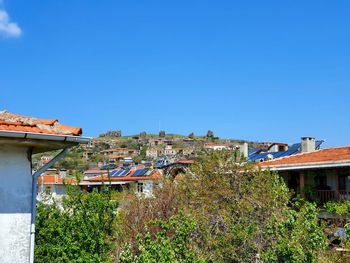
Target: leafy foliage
<point>241,215</point>
<point>80,230</point>
<point>220,211</point>
<point>298,237</point>
<point>171,243</point>
<point>340,208</point>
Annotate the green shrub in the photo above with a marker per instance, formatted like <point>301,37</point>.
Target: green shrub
<point>79,230</point>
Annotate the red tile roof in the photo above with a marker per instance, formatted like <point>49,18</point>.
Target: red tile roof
<point>55,179</point>
<point>155,175</point>
<point>19,123</point>
<point>185,161</point>
<point>329,155</point>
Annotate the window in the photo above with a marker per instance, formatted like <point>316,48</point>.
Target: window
<point>48,190</point>
<point>321,182</point>
<point>343,179</point>
<point>281,148</point>
<point>140,187</point>
<point>342,182</point>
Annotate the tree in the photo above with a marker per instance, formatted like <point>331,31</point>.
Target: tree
<point>191,135</point>
<point>210,134</point>
<point>171,242</point>
<point>137,212</point>
<point>162,134</point>
<point>81,230</point>
<point>244,213</point>
<point>241,214</point>
<point>143,136</point>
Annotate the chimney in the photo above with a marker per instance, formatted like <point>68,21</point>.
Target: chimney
<point>243,148</point>
<point>63,173</point>
<point>308,144</point>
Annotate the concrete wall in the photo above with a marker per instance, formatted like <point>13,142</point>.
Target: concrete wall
<point>57,191</point>
<point>15,204</point>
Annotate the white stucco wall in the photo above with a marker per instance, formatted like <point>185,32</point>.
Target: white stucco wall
<point>57,191</point>
<point>147,188</point>
<point>15,204</point>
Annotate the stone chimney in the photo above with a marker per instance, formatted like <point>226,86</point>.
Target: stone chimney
<point>308,144</point>
<point>243,148</point>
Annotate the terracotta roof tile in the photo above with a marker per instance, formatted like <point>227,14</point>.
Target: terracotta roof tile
<point>15,122</point>
<point>329,155</point>
<point>55,179</point>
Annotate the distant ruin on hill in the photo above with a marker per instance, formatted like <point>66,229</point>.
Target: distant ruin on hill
<point>116,133</point>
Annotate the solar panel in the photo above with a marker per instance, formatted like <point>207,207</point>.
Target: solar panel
<point>136,172</point>
<point>143,172</point>
<point>124,172</point>
<point>140,172</point>
<point>120,172</point>
<point>112,173</point>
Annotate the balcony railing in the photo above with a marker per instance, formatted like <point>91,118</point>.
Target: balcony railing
<point>331,195</point>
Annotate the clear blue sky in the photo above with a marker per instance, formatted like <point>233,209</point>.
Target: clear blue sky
<point>256,70</point>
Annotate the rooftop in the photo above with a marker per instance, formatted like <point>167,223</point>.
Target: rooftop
<point>55,179</point>
<point>19,123</point>
<point>39,135</point>
<point>337,156</point>
<point>139,174</point>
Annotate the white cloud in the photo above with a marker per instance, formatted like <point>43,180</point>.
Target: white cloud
<point>8,28</point>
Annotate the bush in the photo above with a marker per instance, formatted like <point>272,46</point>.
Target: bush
<point>172,242</point>
<point>340,208</point>
<point>81,230</point>
<point>240,214</point>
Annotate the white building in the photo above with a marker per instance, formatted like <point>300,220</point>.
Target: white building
<point>53,186</point>
<point>20,137</point>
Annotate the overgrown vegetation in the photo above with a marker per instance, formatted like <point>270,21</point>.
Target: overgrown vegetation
<point>81,229</point>
<point>340,208</point>
<point>220,211</point>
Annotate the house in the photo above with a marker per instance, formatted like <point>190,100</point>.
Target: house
<point>242,147</point>
<point>87,154</point>
<point>321,175</point>
<point>278,150</point>
<point>120,151</point>
<point>93,172</point>
<point>154,152</point>
<point>186,151</point>
<point>53,185</point>
<point>140,179</point>
<point>170,151</point>
<point>217,146</point>
<point>43,160</point>
<point>155,142</point>
<point>20,138</point>
<point>115,158</point>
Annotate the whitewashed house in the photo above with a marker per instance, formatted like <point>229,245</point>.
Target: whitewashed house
<point>53,186</point>
<point>20,138</point>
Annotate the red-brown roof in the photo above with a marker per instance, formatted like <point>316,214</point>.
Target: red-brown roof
<point>329,155</point>
<point>55,179</point>
<point>19,123</point>
<point>155,175</point>
<point>185,161</point>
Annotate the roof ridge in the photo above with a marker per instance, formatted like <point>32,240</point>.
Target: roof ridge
<point>340,151</point>
<point>20,123</point>
<point>293,155</point>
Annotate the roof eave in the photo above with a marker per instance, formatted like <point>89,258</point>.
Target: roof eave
<point>307,166</point>
<point>36,140</point>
